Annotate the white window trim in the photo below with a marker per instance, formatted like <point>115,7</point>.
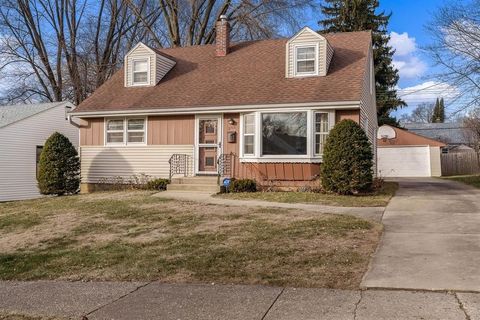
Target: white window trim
<point>244,134</point>
<point>315,133</point>
<point>295,59</point>
<point>258,157</point>
<point>147,83</point>
<point>125,143</point>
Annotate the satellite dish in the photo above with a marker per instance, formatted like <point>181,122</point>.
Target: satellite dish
<point>386,132</point>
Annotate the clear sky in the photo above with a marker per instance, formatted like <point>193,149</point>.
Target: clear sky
<point>409,35</point>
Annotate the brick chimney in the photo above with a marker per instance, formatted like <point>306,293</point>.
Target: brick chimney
<point>222,40</point>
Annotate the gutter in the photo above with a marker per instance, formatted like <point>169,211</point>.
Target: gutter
<point>220,109</point>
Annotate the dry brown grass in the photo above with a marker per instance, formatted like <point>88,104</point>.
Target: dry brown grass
<point>134,236</point>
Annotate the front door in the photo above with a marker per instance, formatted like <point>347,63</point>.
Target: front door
<point>208,144</point>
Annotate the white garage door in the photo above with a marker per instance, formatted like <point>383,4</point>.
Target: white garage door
<point>404,161</point>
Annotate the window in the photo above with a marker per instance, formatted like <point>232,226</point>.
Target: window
<point>284,133</point>
<point>305,60</point>
<point>249,134</point>
<point>140,71</point>
<point>125,131</point>
<point>39,150</point>
<point>321,131</point>
<point>136,130</point>
<point>115,131</point>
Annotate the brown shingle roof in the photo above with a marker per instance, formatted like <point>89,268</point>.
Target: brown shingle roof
<point>252,73</point>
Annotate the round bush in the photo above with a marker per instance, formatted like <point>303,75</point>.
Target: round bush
<point>347,160</point>
<point>59,167</point>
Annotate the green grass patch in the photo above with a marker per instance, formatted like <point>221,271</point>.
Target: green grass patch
<point>379,198</point>
<point>134,236</point>
<point>472,180</point>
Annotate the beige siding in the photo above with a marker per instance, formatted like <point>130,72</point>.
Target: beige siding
<point>18,143</point>
<point>139,52</point>
<point>325,52</point>
<point>435,162</point>
<point>104,164</point>
<point>159,65</point>
<point>163,65</point>
<point>368,105</point>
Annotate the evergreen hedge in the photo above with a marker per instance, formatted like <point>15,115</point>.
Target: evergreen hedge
<point>59,167</point>
<point>347,160</point>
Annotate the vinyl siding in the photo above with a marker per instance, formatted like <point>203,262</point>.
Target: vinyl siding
<point>368,106</point>
<point>163,65</point>
<point>139,53</point>
<point>171,130</point>
<point>159,65</point>
<point>18,143</point>
<point>325,52</point>
<point>99,164</point>
<point>435,162</point>
<point>92,132</point>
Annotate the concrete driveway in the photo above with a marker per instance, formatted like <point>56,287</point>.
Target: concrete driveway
<point>431,239</point>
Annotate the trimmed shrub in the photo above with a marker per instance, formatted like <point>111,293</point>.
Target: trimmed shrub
<point>242,185</point>
<point>347,160</point>
<point>157,184</point>
<point>59,167</point>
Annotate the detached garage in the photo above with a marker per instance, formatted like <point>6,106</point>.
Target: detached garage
<point>405,154</point>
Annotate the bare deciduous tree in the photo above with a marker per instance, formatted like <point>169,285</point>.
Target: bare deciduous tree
<point>421,114</point>
<point>63,49</point>
<point>456,48</point>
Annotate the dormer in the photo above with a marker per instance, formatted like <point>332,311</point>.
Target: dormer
<point>145,67</point>
<point>308,54</point>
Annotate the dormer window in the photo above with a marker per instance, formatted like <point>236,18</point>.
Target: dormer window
<point>140,71</point>
<point>306,60</point>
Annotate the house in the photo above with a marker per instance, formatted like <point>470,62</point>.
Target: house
<point>23,131</point>
<point>402,153</point>
<point>257,109</point>
<point>455,135</point>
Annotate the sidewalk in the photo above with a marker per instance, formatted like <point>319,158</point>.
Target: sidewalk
<point>371,213</point>
<point>155,300</point>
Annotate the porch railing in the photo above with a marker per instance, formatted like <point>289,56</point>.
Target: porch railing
<point>226,165</point>
<point>179,164</point>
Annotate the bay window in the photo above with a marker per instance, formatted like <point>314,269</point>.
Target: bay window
<point>285,136</point>
<point>125,131</point>
<point>284,133</point>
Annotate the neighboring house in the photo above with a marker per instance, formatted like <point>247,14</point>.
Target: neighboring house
<point>23,131</point>
<point>258,109</point>
<point>402,153</point>
<point>454,134</point>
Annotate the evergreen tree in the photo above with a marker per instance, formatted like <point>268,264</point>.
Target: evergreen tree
<point>438,115</point>
<point>359,15</point>
<point>442,110</point>
<point>59,166</point>
<point>436,112</point>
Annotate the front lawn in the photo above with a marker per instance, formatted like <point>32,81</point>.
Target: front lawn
<point>473,180</point>
<point>133,236</point>
<point>379,198</point>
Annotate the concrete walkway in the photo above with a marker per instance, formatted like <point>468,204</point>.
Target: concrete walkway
<point>431,239</point>
<point>136,300</point>
<point>371,213</point>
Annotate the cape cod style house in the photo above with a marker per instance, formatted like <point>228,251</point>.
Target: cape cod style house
<point>257,109</point>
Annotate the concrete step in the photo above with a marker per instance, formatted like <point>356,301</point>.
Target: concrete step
<point>205,180</point>
<point>194,187</point>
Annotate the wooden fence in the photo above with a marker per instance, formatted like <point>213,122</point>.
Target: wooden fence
<point>461,163</point>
